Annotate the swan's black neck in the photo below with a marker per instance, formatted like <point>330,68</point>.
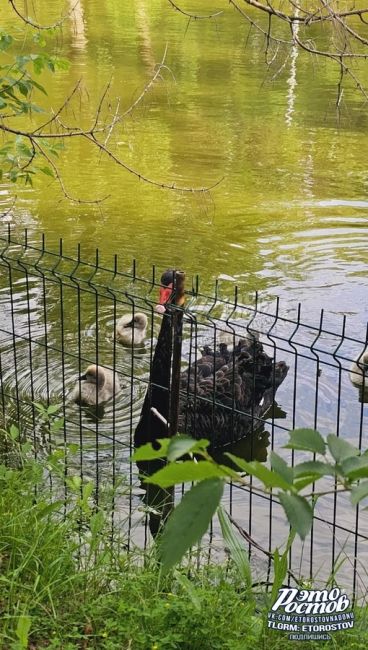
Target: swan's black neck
<point>150,427</point>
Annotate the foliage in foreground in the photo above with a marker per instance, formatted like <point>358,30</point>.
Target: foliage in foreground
<point>344,465</point>
<point>64,585</point>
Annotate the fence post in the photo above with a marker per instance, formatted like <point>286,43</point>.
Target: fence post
<point>177,336</point>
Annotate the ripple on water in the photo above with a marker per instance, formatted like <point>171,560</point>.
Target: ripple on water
<point>46,368</point>
<point>41,365</point>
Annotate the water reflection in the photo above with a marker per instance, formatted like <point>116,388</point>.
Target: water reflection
<point>78,30</point>
<point>291,81</point>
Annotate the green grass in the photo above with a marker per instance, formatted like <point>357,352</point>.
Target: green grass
<point>63,586</point>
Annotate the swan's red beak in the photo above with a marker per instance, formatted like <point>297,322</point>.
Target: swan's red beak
<point>164,297</point>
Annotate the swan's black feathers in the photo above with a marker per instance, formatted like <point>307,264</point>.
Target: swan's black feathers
<point>224,394</point>
<point>223,390</point>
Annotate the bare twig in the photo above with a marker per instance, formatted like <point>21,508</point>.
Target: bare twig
<point>55,115</point>
<point>150,181</point>
<point>61,182</point>
<point>30,22</point>
<point>147,87</point>
<point>245,535</point>
<point>313,17</point>
<point>194,16</point>
<point>338,58</point>
<point>91,134</point>
<point>257,26</point>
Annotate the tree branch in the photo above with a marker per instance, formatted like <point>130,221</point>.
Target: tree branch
<point>194,16</point>
<point>30,22</point>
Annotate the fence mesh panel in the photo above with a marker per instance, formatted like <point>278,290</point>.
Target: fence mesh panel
<point>58,315</point>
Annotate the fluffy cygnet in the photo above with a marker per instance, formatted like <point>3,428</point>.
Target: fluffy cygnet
<point>96,386</point>
<point>359,370</point>
<point>131,329</point>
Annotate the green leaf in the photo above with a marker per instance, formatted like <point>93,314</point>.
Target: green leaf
<point>74,482</point>
<point>147,452</point>
<point>238,553</point>
<point>301,483</point>
<point>38,64</point>
<point>280,566</point>
<point>45,510</point>
<point>314,467</point>
<point>60,63</point>
<point>23,88</point>
<point>359,492</point>
<point>87,490</point>
<point>72,447</point>
<point>298,511</point>
<point>40,407</point>
<point>188,586</point>
<point>97,523</point>
<point>181,445</point>
<point>53,408</point>
<point>187,471</point>
<point>306,440</point>
<point>281,467</point>
<point>38,86</point>
<point>22,629</point>
<point>57,425</point>
<point>355,467</point>
<point>39,38</point>
<point>14,432</point>
<point>268,477</point>
<point>5,40</point>
<point>189,521</point>
<point>47,170</point>
<point>341,449</point>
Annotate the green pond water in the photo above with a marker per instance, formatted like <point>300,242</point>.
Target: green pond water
<point>289,218</point>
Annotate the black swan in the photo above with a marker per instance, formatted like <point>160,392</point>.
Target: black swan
<point>223,396</point>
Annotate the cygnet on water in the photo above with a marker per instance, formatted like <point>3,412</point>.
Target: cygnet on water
<point>96,386</point>
<point>132,329</point>
<point>359,370</point>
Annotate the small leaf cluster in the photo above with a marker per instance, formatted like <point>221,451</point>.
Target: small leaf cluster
<point>334,457</point>
<point>17,88</point>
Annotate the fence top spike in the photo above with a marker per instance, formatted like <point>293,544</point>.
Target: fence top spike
<point>179,279</point>
<point>197,284</point>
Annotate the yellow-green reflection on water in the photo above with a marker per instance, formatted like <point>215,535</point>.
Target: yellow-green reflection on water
<point>289,218</point>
